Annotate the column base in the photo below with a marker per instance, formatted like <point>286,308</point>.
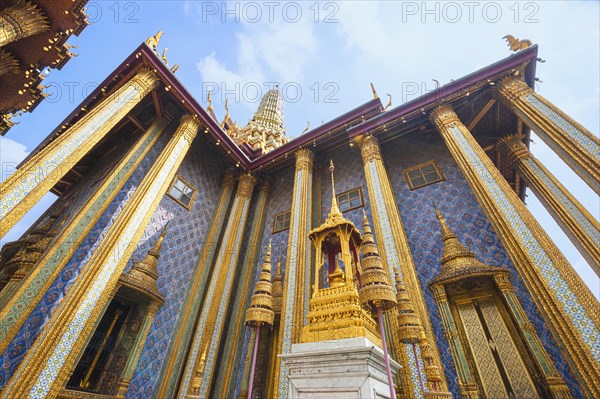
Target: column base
<point>345,368</point>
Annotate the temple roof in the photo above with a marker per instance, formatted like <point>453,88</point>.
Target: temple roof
<point>366,118</point>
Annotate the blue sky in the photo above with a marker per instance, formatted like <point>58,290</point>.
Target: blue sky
<point>323,56</point>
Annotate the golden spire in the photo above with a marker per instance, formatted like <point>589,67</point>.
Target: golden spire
<point>265,131</point>
<point>409,325</point>
<point>143,275</point>
<point>376,289</point>
<point>261,305</point>
<point>334,212</point>
<point>455,257</point>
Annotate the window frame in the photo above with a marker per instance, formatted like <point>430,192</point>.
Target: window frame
<point>419,167</point>
<point>274,230</point>
<point>194,191</point>
<point>360,196</point>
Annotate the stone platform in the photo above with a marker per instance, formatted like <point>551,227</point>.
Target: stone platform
<point>350,368</point>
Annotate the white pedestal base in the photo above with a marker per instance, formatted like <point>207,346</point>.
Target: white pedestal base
<point>342,369</point>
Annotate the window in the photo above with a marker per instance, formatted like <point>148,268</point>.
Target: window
<point>423,175</point>
<point>350,200</point>
<point>182,192</point>
<point>282,221</point>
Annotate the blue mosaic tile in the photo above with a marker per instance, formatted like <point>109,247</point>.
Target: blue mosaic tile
<point>203,169</point>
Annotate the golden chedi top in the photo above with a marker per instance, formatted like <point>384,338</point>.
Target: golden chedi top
<point>265,131</point>
<point>143,275</point>
<point>260,311</point>
<point>409,326</point>
<point>375,287</point>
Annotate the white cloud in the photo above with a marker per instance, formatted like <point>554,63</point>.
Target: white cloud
<point>11,154</point>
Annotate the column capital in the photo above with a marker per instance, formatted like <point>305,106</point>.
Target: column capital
<point>443,116</point>
<point>514,147</point>
<point>304,159</point>
<point>247,182</point>
<point>229,177</point>
<point>145,79</point>
<point>188,127</point>
<point>153,308</point>
<point>20,20</point>
<point>512,87</point>
<point>369,148</point>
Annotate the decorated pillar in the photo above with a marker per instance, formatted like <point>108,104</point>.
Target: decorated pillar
<point>294,307</point>
<point>214,314</point>
<point>578,224</point>
<point>235,336</point>
<point>34,285</point>
<point>53,357</point>
<point>564,300</point>
<point>20,20</point>
<point>396,253</point>
<point>576,145</point>
<point>171,370</point>
<point>24,188</point>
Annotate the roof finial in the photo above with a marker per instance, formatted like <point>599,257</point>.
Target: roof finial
<point>374,91</point>
<point>210,107</point>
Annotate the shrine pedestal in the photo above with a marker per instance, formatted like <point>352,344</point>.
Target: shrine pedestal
<point>346,368</point>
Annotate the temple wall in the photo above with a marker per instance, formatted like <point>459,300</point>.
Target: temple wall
<point>203,169</point>
<point>468,221</point>
<point>80,193</point>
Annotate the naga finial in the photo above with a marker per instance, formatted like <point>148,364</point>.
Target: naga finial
<point>516,44</point>
<point>209,100</point>
<point>437,83</point>
<point>175,68</point>
<point>306,128</point>
<point>164,56</point>
<point>374,91</point>
<point>389,104</point>
<point>152,41</point>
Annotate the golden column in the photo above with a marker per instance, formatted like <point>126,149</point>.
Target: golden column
<point>21,20</point>
<point>296,295</point>
<point>395,251</point>
<point>231,359</point>
<point>41,172</point>
<point>577,223</point>
<point>214,315</point>
<point>34,285</point>
<point>566,303</point>
<point>51,360</point>
<point>576,145</point>
<point>172,365</point>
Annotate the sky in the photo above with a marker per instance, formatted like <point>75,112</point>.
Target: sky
<point>323,55</point>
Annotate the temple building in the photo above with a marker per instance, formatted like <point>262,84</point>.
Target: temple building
<point>33,36</point>
<point>385,253</point>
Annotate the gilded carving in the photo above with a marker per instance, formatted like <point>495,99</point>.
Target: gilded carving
<point>304,159</point>
<point>246,186</point>
<point>20,20</point>
<point>530,249</point>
